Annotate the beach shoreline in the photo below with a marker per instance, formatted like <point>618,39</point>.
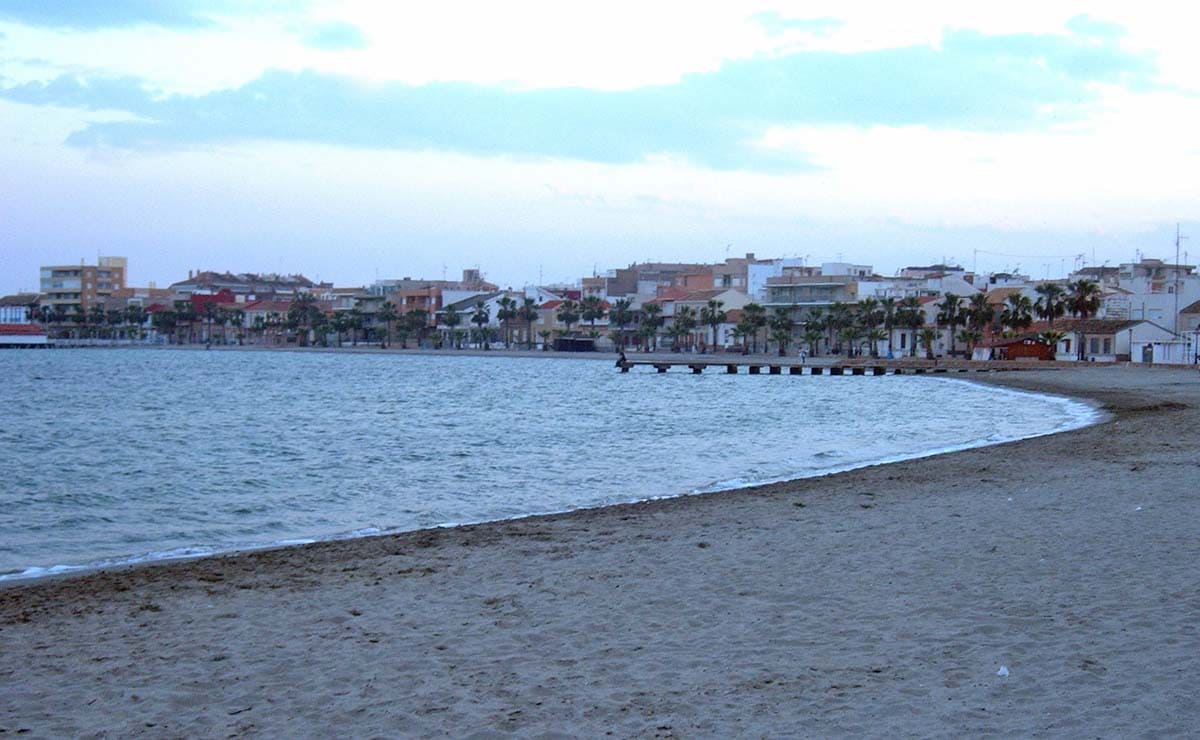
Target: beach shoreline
<point>1085,413</point>
<point>880,599</point>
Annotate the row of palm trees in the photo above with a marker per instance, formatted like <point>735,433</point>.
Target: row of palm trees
<point>94,323</point>
<point>843,328</point>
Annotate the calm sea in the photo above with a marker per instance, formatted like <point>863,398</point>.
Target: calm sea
<point>123,455</point>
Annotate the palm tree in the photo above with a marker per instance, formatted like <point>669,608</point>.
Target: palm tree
<point>96,318</point>
<point>1084,302</point>
<point>951,315</point>
<point>1051,302</point>
<point>781,324</point>
<point>416,321</point>
<point>980,313</point>
<point>888,308</point>
<point>621,314</point>
<point>591,310</point>
<point>135,317</point>
<point>340,323</point>
<point>568,313</point>
<point>754,316</point>
<point>874,337</point>
<point>237,317</point>
<point>928,337</point>
<point>869,314</point>
<point>713,316</point>
<point>1052,338</point>
<point>545,335</point>
<point>652,319</point>
<point>1084,298</point>
<point>970,337</point>
<point>911,316</point>
<point>506,311</point>
<point>304,314</point>
<point>812,337</point>
<point>851,334</point>
<point>685,322</point>
<point>164,322</point>
<point>387,314</point>
<point>480,318</point>
<point>647,333</point>
<point>450,318</point>
<point>1017,313</point>
<point>528,312</point>
<point>781,338</point>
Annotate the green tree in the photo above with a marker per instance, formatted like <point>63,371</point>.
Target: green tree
<point>506,313</point>
<point>812,337</point>
<point>591,310</point>
<point>713,315</point>
<point>387,314</point>
<point>685,321</point>
<point>1017,313</point>
<point>928,336</point>
<point>528,312</point>
<point>1052,338</point>
<point>1084,299</point>
<point>970,337</point>
<point>451,319</point>
<point>911,315</point>
<point>164,322</point>
<point>1051,302</point>
<point>888,307</point>
<point>980,313</point>
<point>754,318</point>
<point>480,318</point>
<point>652,319</point>
<point>1083,302</point>
<point>781,325</point>
<point>304,315</point>
<point>951,315</point>
<point>621,315</point>
<point>568,313</point>
<point>416,322</point>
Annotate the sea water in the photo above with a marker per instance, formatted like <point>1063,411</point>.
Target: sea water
<point>121,455</point>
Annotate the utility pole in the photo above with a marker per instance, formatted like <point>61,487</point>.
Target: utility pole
<point>1178,238</point>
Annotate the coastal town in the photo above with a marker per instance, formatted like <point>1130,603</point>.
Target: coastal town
<point>1143,311</point>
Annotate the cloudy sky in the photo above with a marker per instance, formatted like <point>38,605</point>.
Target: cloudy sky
<point>356,140</point>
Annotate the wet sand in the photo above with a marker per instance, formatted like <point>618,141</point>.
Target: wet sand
<point>881,601</point>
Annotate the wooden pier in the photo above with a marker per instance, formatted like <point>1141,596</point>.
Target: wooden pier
<point>787,366</point>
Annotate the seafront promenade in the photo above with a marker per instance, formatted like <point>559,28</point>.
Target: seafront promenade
<point>879,601</point>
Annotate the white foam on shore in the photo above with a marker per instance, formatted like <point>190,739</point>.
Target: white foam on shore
<point>1078,414</point>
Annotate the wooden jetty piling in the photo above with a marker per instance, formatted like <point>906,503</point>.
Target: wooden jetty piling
<point>853,367</point>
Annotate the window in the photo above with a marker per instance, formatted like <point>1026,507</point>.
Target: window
<point>1094,345</point>
<point>1108,345</point>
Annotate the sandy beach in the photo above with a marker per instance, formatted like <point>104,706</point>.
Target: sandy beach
<point>878,602</point>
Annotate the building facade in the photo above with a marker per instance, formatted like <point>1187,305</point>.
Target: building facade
<point>66,288</point>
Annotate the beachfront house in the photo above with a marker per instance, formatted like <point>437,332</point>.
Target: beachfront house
<point>1091,340</point>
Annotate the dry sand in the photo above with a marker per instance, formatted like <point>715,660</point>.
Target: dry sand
<point>877,602</point>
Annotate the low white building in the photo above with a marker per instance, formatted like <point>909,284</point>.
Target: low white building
<point>17,309</point>
<point>1117,340</point>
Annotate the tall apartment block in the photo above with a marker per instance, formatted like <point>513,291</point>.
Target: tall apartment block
<point>66,286</point>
